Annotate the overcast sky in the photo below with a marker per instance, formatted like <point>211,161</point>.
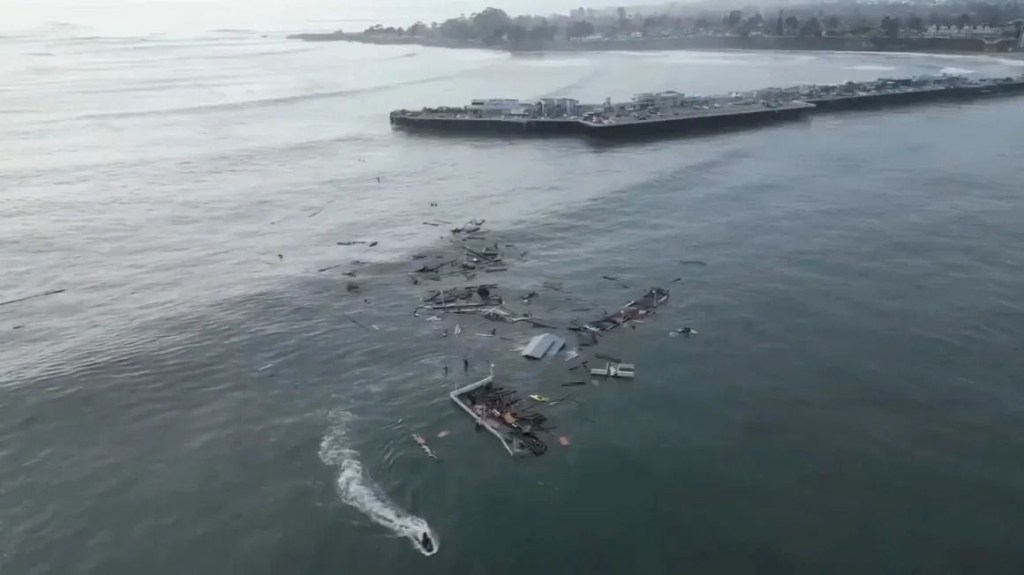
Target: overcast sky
<point>148,16</point>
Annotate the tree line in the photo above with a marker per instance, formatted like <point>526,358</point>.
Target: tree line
<point>493,26</point>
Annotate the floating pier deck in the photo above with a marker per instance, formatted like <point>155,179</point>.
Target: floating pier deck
<point>501,413</point>
<point>506,440</point>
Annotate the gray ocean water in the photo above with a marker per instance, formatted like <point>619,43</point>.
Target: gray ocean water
<point>194,403</point>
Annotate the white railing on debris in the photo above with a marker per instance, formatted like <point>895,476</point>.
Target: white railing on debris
<point>455,395</point>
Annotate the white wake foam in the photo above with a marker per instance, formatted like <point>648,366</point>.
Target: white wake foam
<point>355,488</point>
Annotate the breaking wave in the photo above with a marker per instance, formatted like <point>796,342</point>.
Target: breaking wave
<point>957,71</point>
<point>356,488</point>
<point>267,102</point>
<point>1009,62</point>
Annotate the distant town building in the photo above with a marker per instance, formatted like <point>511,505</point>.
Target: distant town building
<point>965,32</point>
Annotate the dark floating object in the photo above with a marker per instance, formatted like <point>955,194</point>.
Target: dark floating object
<point>462,294</point>
<point>353,320</point>
<point>693,263</point>
<point>614,279</point>
<point>634,310</point>
<point>322,208</point>
<point>26,298</point>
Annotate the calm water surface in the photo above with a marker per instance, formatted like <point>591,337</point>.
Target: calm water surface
<point>196,403</point>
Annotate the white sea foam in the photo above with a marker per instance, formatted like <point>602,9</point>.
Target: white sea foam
<point>1009,61</point>
<point>553,62</point>
<point>871,68</point>
<point>356,488</point>
<point>956,71</point>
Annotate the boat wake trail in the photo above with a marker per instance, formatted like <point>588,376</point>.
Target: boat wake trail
<point>356,489</point>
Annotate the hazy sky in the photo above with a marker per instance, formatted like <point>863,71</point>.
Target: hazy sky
<point>183,16</point>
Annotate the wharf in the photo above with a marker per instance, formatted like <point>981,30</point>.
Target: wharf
<point>843,102</point>
<point>672,113</point>
<point>667,120</point>
<point>691,120</point>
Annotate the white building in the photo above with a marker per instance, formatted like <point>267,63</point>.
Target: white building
<point>659,99</point>
<point>558,107</point>
<point>498,107</point>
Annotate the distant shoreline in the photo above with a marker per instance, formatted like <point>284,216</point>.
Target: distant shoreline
<point>782,43</point>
